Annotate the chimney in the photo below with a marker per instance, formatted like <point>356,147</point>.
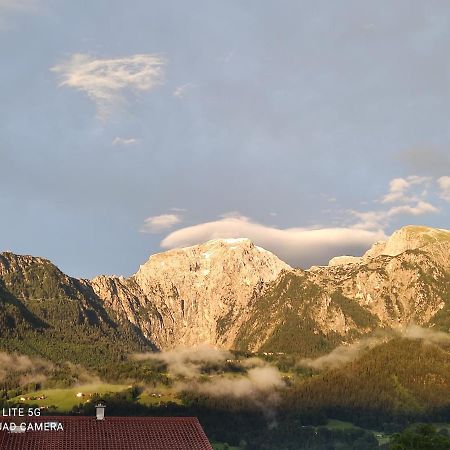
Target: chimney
<point>100,411</point>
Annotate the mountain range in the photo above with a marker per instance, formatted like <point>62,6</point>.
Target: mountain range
<point>228,293</point>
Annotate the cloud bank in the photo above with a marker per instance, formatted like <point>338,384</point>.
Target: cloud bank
<point>297,246</point>
<point>260,384</point>
<point>347,353</point>
<point>106,81</point>
<point>341,355</point>
<point>426,334</point>
<point>187,362</point>
<point>257,381</point>
<point>31,368</point>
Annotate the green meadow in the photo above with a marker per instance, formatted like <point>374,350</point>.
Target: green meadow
<point>65,399</point>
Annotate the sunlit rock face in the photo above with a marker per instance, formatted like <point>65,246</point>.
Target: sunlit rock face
<point>231,293</point>
<point>434,241</point>
<point>195,294</point>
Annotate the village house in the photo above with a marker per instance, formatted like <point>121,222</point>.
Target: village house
<point>106,433</point>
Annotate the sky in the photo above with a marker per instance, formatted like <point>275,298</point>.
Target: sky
<point>314,128</point>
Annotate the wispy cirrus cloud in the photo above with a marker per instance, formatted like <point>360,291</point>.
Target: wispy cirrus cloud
<point>107,81</point>
<point>155,224</point>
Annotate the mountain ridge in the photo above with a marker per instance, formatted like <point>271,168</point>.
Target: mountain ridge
<point>233,294</point>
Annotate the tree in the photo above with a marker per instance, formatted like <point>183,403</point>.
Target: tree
<point>420,437</point>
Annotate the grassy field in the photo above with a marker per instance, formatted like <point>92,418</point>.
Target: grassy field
<point>381,437</point>
<point>155,396</point>
<point>339,425</point>
<point>66,399</point>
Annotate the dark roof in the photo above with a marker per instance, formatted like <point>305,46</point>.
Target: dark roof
<point>112,433</point>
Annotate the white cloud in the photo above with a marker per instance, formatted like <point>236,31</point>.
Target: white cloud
<point>33,367</point>
<point>260,383</point>
<point>444,186</point>
<point>349,352</point>
<point>418,209</point>
<point>342,355</point>
<point>106,81</point>
<point>182,90</point>
<point>155,224</point>
<point>369,220</point>
<point>373,220</point>
<point>187,362</point>
<point>297,246</point>
<point>399,188</point>
<point>409,193</point>
<point>413,331</point>
<point>123,141</point>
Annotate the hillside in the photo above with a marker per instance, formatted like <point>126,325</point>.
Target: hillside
<point>297,315</point>
<point>404,280</point>
<point>399,378</point>
<point>46,313</point>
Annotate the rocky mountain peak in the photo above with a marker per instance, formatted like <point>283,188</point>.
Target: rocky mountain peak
<point>12,263</point>
<point>344,260</point>
<point>434,241</point>
<point>194,294</point>
<point>213,258</point>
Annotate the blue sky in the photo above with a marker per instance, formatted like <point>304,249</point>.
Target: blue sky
<point>314,128</point>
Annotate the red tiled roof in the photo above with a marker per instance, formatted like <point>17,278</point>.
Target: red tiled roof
<point>112,433</point>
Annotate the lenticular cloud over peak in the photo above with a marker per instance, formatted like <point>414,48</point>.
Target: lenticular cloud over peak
<point>301,247</point>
